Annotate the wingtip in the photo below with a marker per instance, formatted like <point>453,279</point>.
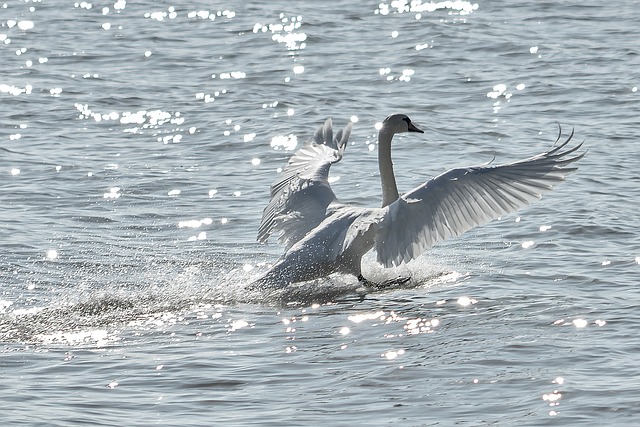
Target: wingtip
<point>327,131</point>
<point>345,134</point>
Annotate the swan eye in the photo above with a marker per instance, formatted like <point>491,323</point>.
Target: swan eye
<point>407,119</point>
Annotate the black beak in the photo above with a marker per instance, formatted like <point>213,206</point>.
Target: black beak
<point>413,128</point>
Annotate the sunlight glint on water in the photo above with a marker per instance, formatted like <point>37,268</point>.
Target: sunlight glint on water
<point>138,141</point>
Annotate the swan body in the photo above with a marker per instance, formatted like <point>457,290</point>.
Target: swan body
<point>323,236</point>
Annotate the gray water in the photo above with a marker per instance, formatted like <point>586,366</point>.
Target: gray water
<point>137,144</point>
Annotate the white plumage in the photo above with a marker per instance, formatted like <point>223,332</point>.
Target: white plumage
<point>323,236</point>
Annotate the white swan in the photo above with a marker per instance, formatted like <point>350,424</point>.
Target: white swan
<point>323,236</point>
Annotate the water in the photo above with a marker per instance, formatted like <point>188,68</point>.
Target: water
<point>138,141</point>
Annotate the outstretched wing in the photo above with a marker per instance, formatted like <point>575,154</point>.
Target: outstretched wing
<point>463,198</point>
<point>299,199</point>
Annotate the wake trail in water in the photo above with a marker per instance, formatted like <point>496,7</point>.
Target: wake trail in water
<point>89,314</point>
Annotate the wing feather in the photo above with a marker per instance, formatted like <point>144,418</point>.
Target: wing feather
<point>301,196</point>
<point>463,198</point>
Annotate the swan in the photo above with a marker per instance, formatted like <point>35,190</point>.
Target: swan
<point>323,236</point>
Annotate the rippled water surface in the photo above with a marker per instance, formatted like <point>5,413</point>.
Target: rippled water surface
<point>137,144</point>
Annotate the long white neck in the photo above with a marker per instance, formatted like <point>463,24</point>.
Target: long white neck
<point>388,179</point>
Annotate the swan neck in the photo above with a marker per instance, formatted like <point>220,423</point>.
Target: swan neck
<point>387,177</point>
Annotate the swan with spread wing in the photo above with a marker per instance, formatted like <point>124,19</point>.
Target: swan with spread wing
<point>323,235</point>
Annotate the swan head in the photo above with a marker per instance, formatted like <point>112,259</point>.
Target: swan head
<point>399,123</point>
